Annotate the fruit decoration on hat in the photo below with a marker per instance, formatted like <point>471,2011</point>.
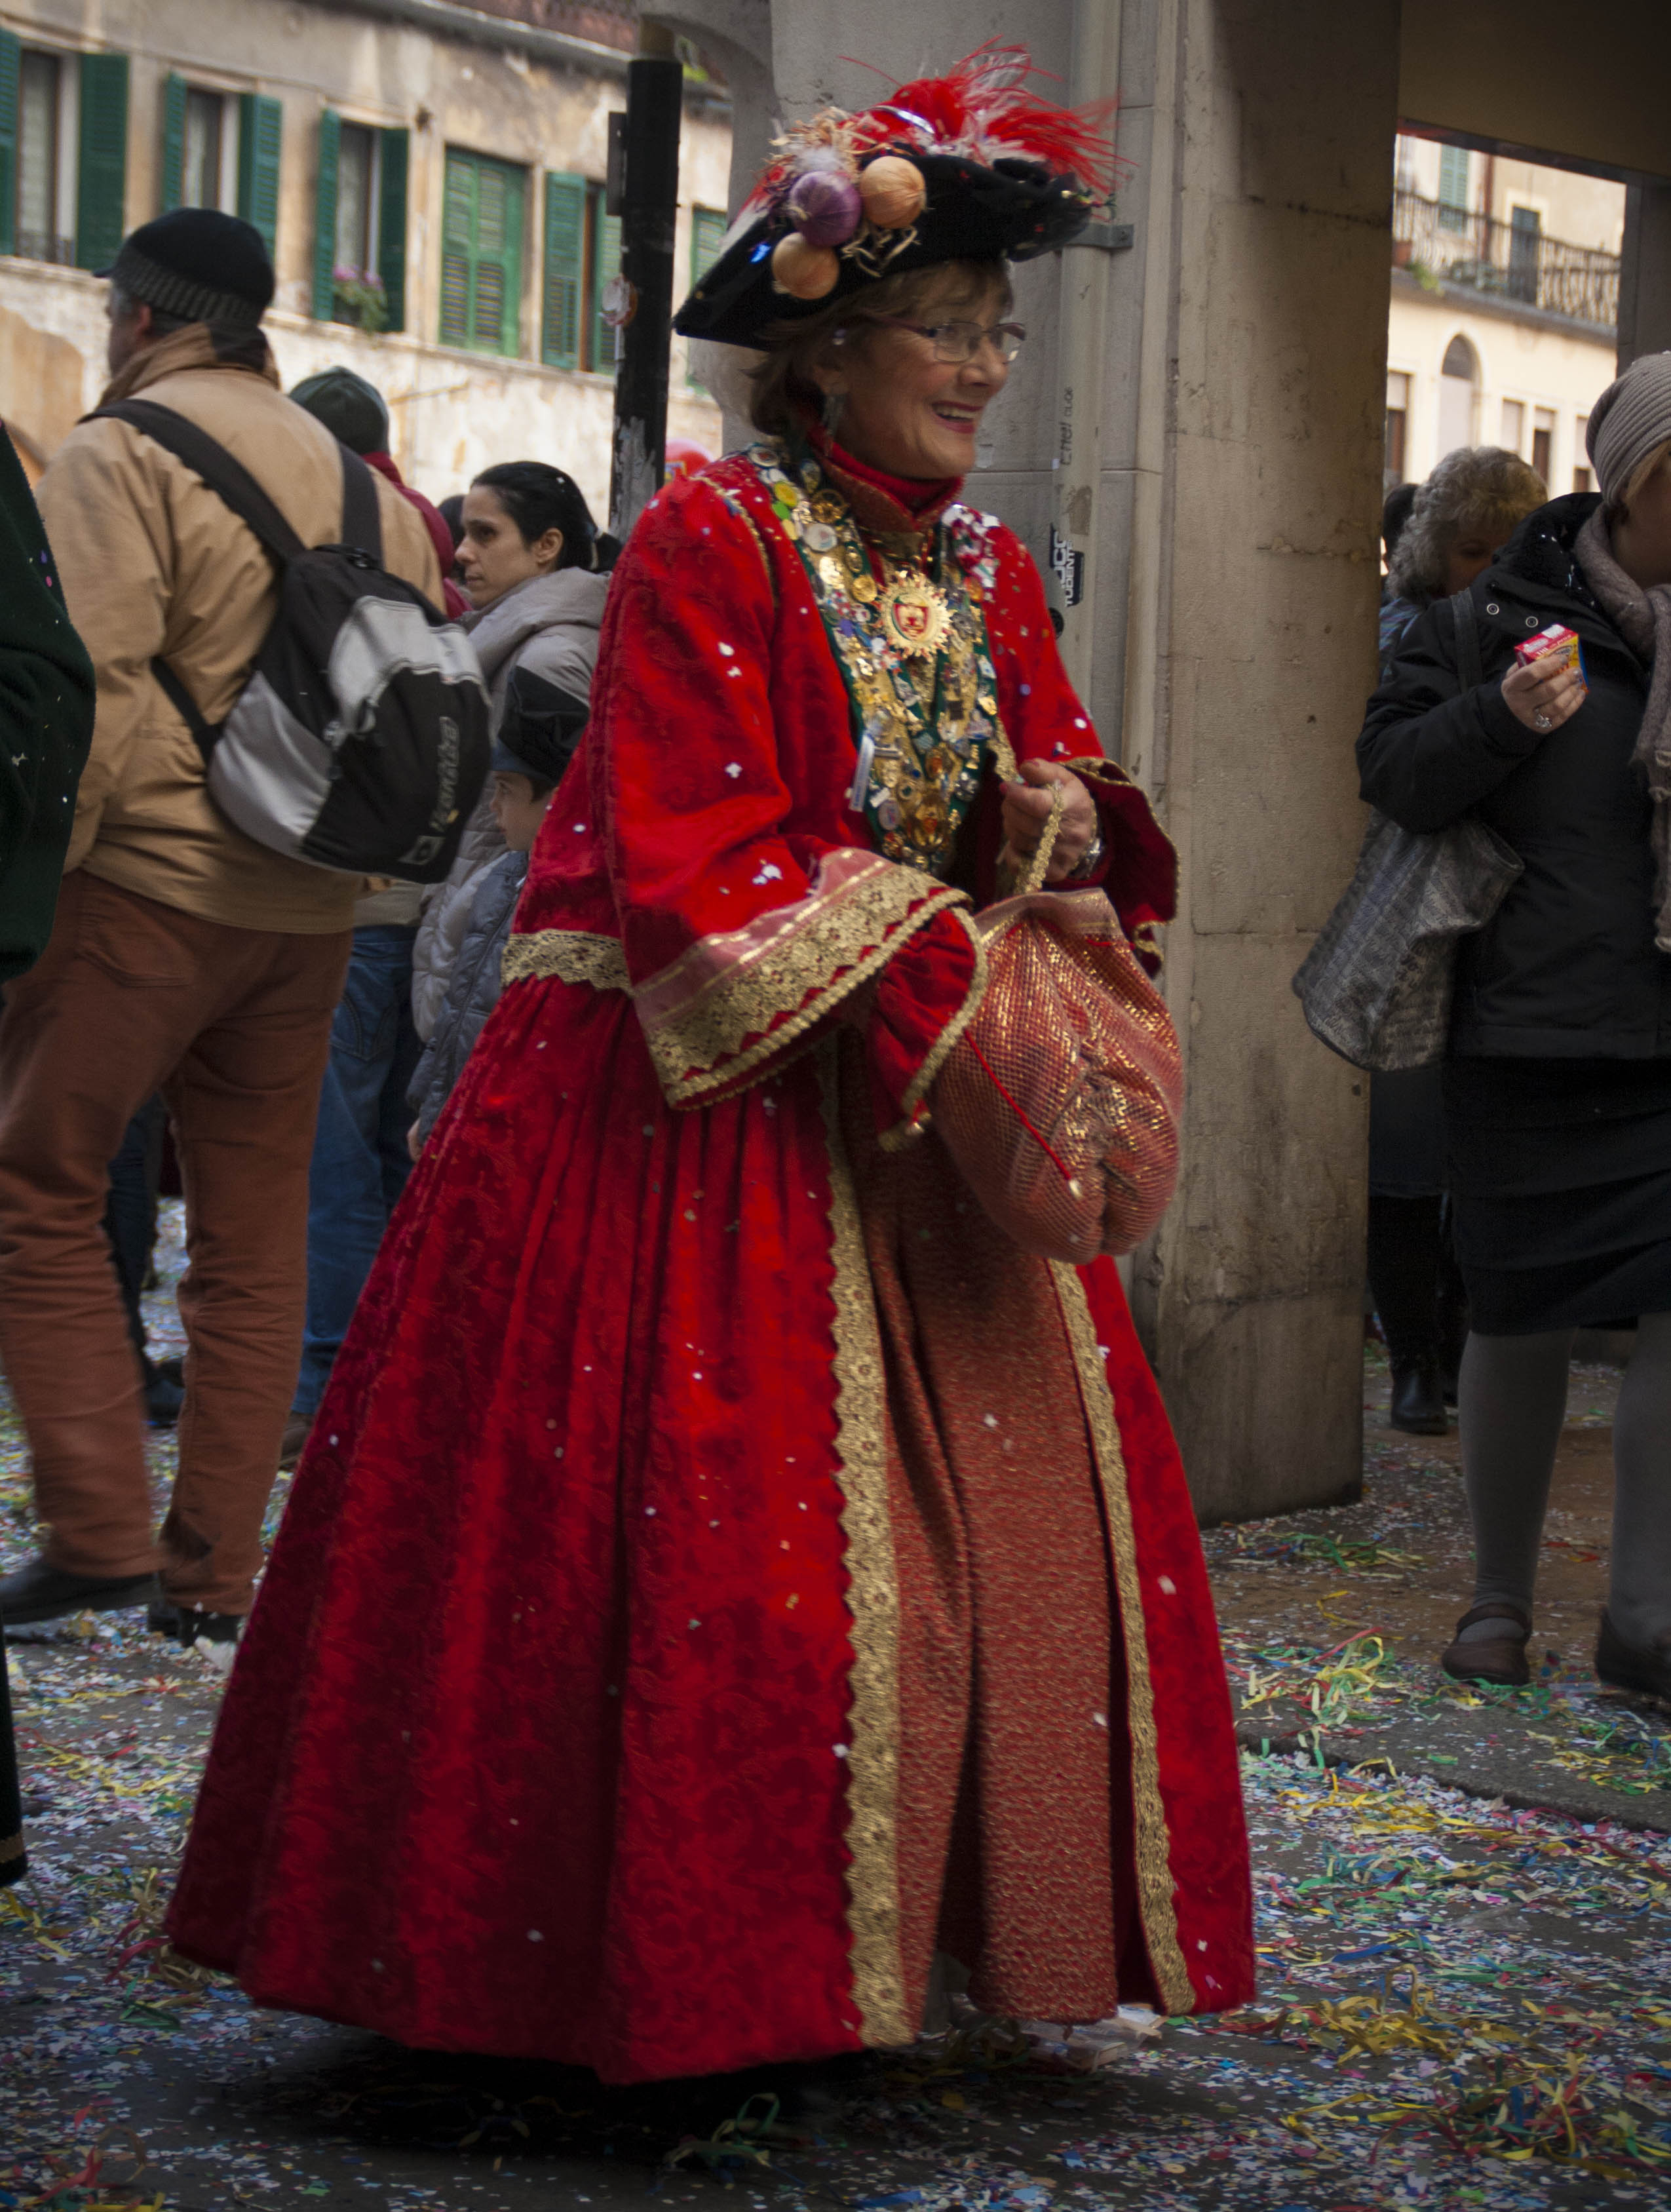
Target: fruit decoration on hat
<point>968,166</point>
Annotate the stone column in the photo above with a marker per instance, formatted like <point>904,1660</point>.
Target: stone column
<point>1264,131</point>
<point>1239,433</point>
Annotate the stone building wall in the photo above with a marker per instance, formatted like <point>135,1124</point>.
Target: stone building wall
<point>517,86</point>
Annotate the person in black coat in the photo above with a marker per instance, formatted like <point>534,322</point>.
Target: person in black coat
<point>1556,1083</point>
<point>45,728</point>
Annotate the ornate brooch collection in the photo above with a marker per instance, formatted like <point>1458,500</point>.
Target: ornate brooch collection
<point>912,650</point>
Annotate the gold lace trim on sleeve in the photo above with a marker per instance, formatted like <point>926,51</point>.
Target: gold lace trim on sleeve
<point>1155,1884</point>
<point>574,955</point>
<point>701,1044</point>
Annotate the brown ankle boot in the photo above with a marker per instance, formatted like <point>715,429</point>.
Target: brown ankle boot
<point>1500,1659</point>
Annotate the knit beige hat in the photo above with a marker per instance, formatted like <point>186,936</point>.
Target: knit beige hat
<point>1632,416</point>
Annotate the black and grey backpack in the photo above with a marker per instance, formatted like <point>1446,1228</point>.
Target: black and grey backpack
<point>360,743</point>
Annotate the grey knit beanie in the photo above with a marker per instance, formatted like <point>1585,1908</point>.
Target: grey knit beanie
<point>1632,416</point>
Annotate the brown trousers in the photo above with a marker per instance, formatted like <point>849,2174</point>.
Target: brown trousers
<point>233,1027</point>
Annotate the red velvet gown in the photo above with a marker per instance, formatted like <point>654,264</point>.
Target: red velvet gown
<point>726,1571</point>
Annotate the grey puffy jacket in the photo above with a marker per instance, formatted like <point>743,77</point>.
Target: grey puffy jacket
<point>473,991</point>
<point>550,626</point>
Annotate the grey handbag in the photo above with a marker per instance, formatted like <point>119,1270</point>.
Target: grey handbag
<point>1377,985</point>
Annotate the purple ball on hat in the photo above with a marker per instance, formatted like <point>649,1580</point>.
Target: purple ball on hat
<point>824,207</point>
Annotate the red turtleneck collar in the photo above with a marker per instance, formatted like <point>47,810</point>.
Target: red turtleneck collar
<point>883,502</point>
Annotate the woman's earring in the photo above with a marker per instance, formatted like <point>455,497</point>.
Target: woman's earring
<point>832,409</point>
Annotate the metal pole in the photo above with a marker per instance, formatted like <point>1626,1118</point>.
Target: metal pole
<point>645,181</point>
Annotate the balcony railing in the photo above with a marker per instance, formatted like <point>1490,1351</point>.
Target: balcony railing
<point>1504,261</point>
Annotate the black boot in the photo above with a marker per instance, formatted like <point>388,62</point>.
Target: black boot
<point>36,1591</point>
<point>1418,1399</point>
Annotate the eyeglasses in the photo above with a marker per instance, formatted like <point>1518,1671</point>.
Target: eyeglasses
<point>960,342</point>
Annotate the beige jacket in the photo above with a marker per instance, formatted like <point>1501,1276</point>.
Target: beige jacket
<point>153,561</point>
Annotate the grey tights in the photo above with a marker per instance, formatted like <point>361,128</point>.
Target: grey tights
<point>1512,1401</point>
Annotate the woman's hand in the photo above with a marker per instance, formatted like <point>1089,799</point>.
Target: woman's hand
<point>414,1142</point>
<point>1027,809</point>
<point>1542,702</point>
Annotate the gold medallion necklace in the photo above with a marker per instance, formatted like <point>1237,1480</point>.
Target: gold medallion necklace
<point>913,652</point>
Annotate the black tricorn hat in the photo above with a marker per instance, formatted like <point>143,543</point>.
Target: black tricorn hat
<point>969,167</point>
<point>1008,210</point>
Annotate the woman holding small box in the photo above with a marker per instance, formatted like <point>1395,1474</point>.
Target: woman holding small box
<point>1557,1078</point>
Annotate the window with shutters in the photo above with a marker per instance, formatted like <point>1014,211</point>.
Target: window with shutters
<point>1454,181</point>
<point>360,225</point>
<point>604,264</point>
<point>38,233</point>
<point>1543,442</point>
<point>482,254</point>
<point>200,131</point>
<point>708,232</point>
<point>356,287</point>
<point>562,289</point>
<point>203,145</point>
<point>40,147</point>
<point>1396,442</point>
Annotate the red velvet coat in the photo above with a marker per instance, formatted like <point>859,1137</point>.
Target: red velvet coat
<point>725,1570</point>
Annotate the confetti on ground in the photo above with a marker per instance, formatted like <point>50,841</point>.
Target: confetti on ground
<point>1461,2004</point>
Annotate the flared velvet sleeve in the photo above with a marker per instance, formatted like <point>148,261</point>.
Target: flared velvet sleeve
<point>750,910</point>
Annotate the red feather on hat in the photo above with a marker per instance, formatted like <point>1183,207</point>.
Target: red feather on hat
<point>980,107</point>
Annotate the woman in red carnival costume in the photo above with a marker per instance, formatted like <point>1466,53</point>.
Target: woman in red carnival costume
<point>726,1571</point>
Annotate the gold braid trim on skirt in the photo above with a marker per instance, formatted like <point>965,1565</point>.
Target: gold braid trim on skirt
<point>1155,1885</point>
<point>861,1448</point>
<point>573,954</point>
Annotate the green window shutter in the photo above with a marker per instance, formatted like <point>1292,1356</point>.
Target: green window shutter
<point>173,143</point>
<point>9,54</point>
<point>458,249</point>
<point>498,298</point>
<point>482,255</point>
<point>101,159</point>
<point>708,232</point>
<point>565,257</point>
<point>605,264</point>
<point>324,304</point>
<point>260,127</point>
<point>391,225</point>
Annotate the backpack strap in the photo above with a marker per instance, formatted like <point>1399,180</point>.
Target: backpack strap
<point>362,525</point>
<point>186,706</point>
<point>207,458</point>
<point>1465,621</point>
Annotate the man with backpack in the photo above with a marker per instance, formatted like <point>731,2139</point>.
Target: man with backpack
<point>189,956</point>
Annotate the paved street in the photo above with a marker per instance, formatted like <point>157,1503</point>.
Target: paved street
<point>1465,1999</point>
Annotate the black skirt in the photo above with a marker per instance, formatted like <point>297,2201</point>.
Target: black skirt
<point>12,1861</point>
<point>1561,1183</point>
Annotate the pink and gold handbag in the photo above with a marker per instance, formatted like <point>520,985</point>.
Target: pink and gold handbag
<point>1059,1102</point>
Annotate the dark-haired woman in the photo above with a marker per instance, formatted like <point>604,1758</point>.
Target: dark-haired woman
<point>532,563</point>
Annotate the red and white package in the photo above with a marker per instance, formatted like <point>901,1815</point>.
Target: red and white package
<point>1556,639</point>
